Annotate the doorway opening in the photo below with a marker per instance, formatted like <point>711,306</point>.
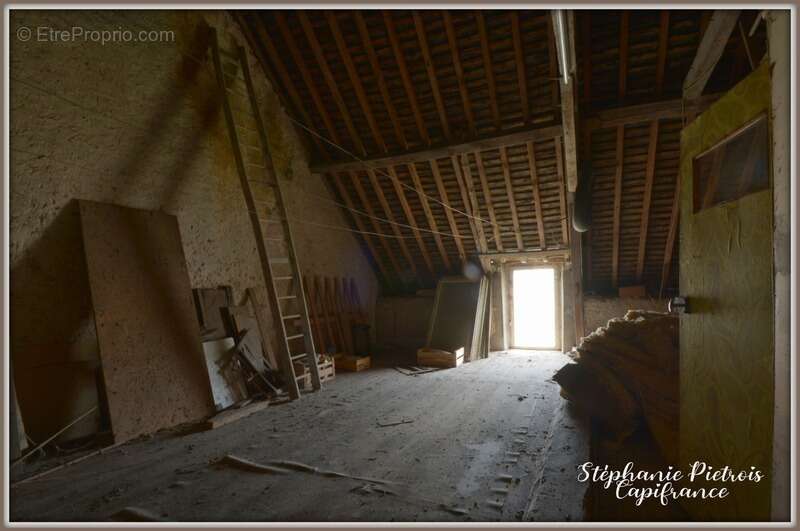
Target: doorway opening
<point>535,306</point>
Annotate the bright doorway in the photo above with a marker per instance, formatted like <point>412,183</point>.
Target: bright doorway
<point>535,305</point>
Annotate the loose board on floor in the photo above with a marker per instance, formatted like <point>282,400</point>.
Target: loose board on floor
<point>147,331</point>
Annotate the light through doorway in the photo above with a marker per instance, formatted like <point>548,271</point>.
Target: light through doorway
<point>534,293</point>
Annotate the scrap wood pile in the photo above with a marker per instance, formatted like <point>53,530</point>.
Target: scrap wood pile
<point>339,322</point>
<point>626,374</point>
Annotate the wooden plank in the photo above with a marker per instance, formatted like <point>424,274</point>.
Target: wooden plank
<point>330,81</point>
<point>445,151</point>
<point>387,212</point>
<point>537,199</point>
<point>650,171</point>
<point>567,94</point>
<point>487,194</point>
<point>473,199</point>
<point>342,318</point>
<point>297,57</point>
<point>410,218</point>
<point>407,83</point>
<point>437,177</point>
<point>459,71</point>
<point>519,60</point>
<point>617,205</point>
<point>326,313</point>
<point>423,199</point>
<point>562,199</point>
<point>419,25</point>
<point>512,203</point>
<point>147,329</point>
<point>661,55</point>
<point>355,79</point>
<point>622,81</point>
<point>709,51</point>
<point>359,223</point>
<point>366,41</point>
<point>487,67</point>
<point>552,61</point>
<point>376,228</point>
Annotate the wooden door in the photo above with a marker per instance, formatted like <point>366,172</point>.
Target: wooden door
<point>726,337</point>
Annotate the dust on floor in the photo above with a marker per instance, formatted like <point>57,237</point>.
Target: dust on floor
<point>488,441</point>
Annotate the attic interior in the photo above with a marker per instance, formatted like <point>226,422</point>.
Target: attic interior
<point>397,266</point>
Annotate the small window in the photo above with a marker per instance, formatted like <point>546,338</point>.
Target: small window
<point>734,168</point>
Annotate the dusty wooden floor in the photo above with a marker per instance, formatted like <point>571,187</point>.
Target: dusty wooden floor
<point>467,429</point>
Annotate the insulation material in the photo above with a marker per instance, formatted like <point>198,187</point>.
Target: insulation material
<point>147,331</point>
<point>627,374</point>
<point>727,342</point>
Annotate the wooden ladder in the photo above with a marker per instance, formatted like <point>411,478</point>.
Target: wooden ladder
<point>267,212</point>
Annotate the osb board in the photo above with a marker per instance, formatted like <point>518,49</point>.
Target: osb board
<point>152,361</point>
<point>227,383</point>
<point>209,303</point>
<point>453,319</point>
<point>726,388</point>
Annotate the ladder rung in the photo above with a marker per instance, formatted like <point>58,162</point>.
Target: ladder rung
<point>296,336</point>
<point>287,297</point>
<point>293,316</point>
<point>298,356</point>
<point>283,278</point>
<point>233,55</point>
<point>253,164</point>
<point>279,260</point>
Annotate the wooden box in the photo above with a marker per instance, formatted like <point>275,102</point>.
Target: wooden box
<point>303,375</point>
<point>345,362</point>
<point>432,357</point>
<point>327,371</point>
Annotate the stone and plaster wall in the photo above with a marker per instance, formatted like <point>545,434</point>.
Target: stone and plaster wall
<point>138,124</point>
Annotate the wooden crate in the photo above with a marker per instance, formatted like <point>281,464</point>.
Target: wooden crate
<point>432,357</point>
<point>345,362</point>
<point>327,371</point>
<point>303,376</point>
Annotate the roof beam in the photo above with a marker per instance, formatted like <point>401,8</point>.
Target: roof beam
<point>401,195</point>
<point>474,208</point>
<point>617,206</point>
<point>709,51</point>
<point>671,235</point>
<point>586,45</point>
<point>445,151</point>
<point>359,223</point>
<point>650,171</point>
<point>387,212</point>
<point>536,197</point>
<point>366,40</point>
<point>519,58</point>
<point>367,204</point>
<point>409,86</point>
<point>282,74</point>
<point>437,178</point>
<point>661,55</point>
<point>419,25</point>
<point>512,203</point>
<point>562,196</point>
<point>306,75</point>
<point>330,80</point>
<point>622,82</point>
<point>455,161</point>
<point>462,86</point>
<point>487,194</point>
<point>426,207</point>
<point>564,36</point>
<point>487,66</point>
<point>355,80</point>
<point>662,110</point>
